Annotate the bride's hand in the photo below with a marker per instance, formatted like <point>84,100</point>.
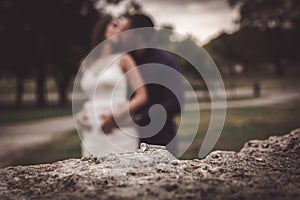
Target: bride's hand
<point>108,123</point>
<point>82,120</point>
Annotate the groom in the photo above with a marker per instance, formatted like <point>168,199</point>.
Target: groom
<point>150,59</point>
<point>157,94</point>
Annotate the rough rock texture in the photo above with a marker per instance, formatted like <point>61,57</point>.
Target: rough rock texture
<point>267,169</point>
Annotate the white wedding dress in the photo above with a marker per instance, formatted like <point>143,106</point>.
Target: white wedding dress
<point>100,88</point>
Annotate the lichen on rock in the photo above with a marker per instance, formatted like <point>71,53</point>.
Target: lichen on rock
<point>267,169</point>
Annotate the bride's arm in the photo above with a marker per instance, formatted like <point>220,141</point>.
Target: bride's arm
<point>136,82</point>
<point>140,98</point>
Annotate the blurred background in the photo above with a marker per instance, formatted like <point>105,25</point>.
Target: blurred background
<point>254,43</point>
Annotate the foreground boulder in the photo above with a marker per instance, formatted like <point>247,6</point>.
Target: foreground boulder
<point>268,169</point>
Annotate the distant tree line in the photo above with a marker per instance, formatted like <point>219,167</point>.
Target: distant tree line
<point>268,33</point>
<point>41,38</point>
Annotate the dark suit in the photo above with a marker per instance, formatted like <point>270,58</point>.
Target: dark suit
<point>158,94</point>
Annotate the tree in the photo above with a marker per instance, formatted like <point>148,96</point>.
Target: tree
<point>17,49</point>
<point>38,34</point>
<point>265,14</point>
<point>249,46</point>
<point>275,24</point>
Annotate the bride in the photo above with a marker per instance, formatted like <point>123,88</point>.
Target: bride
<point>99,84</point>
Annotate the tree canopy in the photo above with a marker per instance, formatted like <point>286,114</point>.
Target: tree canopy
<point>37,34</point>
<point>268,33</point>
<point>268,13</point>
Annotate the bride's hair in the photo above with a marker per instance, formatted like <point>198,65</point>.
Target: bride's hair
<point>98,36</point>
<point>98,33</point>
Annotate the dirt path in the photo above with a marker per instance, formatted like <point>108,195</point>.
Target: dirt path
<point>265,100</point>
<point>17,136</point>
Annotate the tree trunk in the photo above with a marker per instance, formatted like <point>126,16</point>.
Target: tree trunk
<point>62,88</point>
<point>62,80</point>
<point>19,91</point>
<point>40,88</point>
<point>279,71</point>
<point>246,70</point>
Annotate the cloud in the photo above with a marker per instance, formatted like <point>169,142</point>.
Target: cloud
<point>201,18</point>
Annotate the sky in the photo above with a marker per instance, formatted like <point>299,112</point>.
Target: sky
<point>204,19</point>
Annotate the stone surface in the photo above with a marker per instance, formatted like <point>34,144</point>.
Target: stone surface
<point>268,169</point>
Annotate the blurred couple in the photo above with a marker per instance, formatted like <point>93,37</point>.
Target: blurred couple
<point>100,131</point>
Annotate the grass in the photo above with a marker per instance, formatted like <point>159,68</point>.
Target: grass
<point>63,147</point>
<point>29,114</point>
<point>241,126</point>
<point>244,124</point>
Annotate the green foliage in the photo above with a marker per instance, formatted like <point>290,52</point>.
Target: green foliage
<point>45,31</point>
<point>265,14</point>
<point>42,38</point>
<point>269,33</point>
